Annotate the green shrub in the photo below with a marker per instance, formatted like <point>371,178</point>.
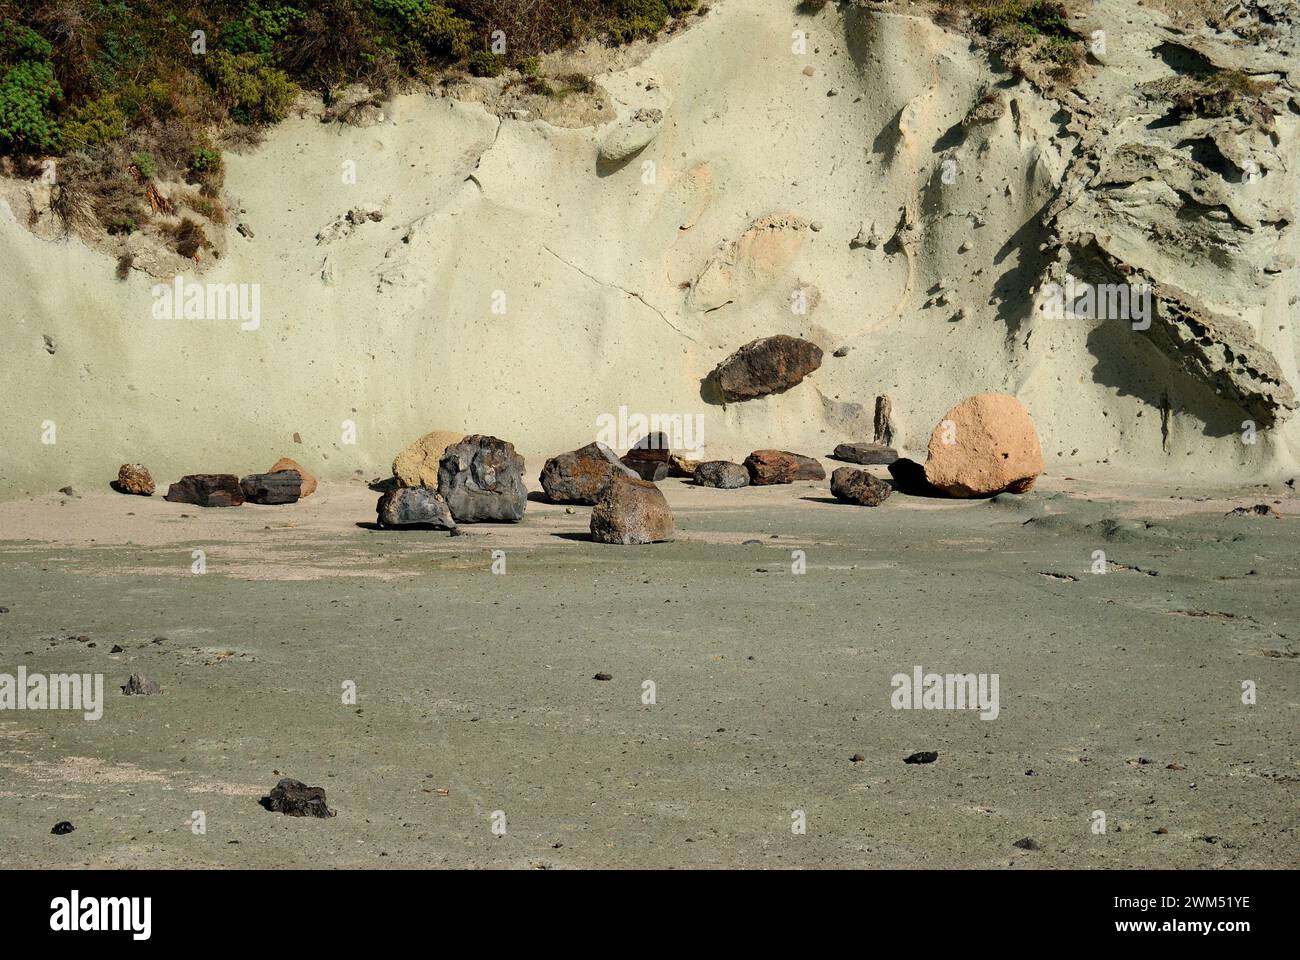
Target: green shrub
<point>260,28</point>
<point>94,124</point>
<point>483,63</point>
<point>205,160</point>
<point>27,124</point>
<point>144,163</point>
<point>443,33</point>
<point>253,92</point>
<point>530,66</point>
<point>644,18</point>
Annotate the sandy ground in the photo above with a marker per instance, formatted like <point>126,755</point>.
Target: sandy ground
<point>1119,693</point>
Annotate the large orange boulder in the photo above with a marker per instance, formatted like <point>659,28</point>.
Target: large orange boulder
<point>984,445</point>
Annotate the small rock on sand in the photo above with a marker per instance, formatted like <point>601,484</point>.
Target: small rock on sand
<point>139,685</point>
<point>134,478</point>
<point>768,467</point>
<point>295,799</point>
<point>630,512</point>
<point>866,453</point>
<point>272,488</point>
<point>923,756</point>
<point>62,827</point>
<point>207,490</point>
<point>413,506</point>
<point>722,474</point>
<point>857,486</point>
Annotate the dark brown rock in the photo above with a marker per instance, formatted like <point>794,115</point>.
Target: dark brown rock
<point>810,468</point>
<point>207,490</point>
<point>858,486</point>
<point>580,475</point>
<point>631,511</point>
<point>295,799</point>
<point>283,486</point>
<point>866,453</point>
<point>766,366</point>
<point>771,466</point>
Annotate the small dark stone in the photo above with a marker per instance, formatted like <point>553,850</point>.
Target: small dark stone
<point>1027,843</point>
<point>283,486</point>
<point>295,799</point>
<point>722,474</point>
<point>865,453</point>
<point>857,758</point>
<point>62,827</point>
<point>924,756</point>
<point>116,649</point>
<point>207,490</point>
<point>141,686</point>
<point>857,486</point>
<point>414,507</point>
<point>602,676</point>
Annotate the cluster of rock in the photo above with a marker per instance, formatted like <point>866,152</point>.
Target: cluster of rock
<point>285,482</point>
<point>478,479</point>
<point>627,506</point>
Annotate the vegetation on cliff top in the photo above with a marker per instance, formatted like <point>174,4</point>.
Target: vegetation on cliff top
<point>126,91</point>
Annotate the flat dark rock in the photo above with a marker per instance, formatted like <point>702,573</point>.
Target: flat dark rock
<point>412,507</point>
<point>924,756</point>
<point>283,486</point>
<point>62,827</point>
<point>866,453</point>
<point>1027,843</point>
<point>295,799</point>
<point>207,490</point>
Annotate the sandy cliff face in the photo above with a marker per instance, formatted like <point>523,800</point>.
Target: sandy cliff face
<point>516,284</point>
